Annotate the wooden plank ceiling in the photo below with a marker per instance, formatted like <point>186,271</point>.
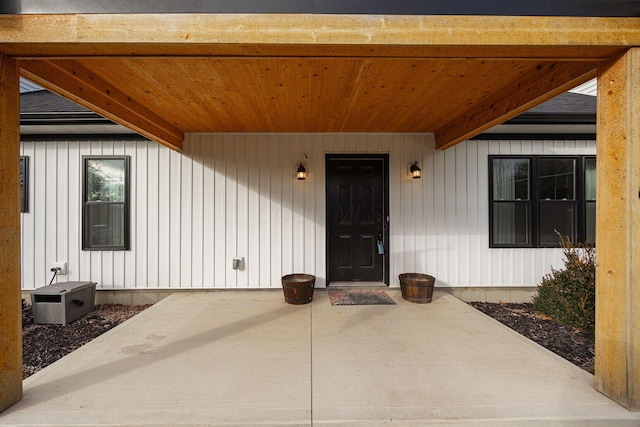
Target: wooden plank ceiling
<point>165,83</point>
<point>209,94</point>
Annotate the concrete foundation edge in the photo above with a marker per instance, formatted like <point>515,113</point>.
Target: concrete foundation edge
<point>496,294</point>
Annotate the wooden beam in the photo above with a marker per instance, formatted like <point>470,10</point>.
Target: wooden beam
<point>617,362</point>
<point>542,84</point>
<point>10,305</point>
<point>523,53</point>
<point>73,81</point>
<point>238,34</point>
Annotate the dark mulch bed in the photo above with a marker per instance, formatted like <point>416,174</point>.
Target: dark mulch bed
<point>575,345</point>
<point>44,344</point>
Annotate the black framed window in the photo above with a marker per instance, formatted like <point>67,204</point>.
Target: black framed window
<point>534,197</point>
<point>24,184</point>
<point>590,199</point>
<point>105,210</point>
<point>511,201</point>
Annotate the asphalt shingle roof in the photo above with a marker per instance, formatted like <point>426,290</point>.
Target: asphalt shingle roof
<point>567,103</point>
<point>43,101</point>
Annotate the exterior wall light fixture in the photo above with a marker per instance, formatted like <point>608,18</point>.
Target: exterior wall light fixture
<point>301,172</point>
<point>415,171</point>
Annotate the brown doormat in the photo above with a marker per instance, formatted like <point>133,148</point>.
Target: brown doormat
<point>358,297</point>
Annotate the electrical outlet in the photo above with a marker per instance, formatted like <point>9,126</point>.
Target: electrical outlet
<point>62,268</point>
<point>237,263</point>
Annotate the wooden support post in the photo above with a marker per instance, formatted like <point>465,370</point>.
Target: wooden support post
<point>617,366</point>
<point>10,307</point>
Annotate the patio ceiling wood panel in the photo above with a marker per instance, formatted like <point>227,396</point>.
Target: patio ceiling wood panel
<point>264,94</point>
<point>165,75</point>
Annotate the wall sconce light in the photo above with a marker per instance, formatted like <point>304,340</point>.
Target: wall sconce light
<point>301,173</point>
<point>415,171</point>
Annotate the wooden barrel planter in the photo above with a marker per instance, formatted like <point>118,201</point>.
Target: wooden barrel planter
<point>417,287</point>
<point>298,288</point>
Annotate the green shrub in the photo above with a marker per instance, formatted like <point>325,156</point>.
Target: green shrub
<point>569,295</point>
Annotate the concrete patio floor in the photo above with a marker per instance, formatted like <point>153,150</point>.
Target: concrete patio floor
<point>248,358</point>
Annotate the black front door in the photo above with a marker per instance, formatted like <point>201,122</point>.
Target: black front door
<point>357,218</point>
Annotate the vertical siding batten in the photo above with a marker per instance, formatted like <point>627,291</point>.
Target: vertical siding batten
<point>472,265</point>
<point>263,275</point>
<point>286,177</point>
<point>276,215</point>
<point>62,214</point>
<point>297,207</point>
<point>396,227</point>
<point>74,206</point>
<point>163,175</point>
<point>208,215</point>
<point>186,219</point>
<point>219,249</point>
<point>309,217</point>
<point>153,214</point>
<point>52,201</point>
<point>231,208</point>
<point>252,239</point>
<point>320,214</point>
<point>482,220</point>
<point>418,197</point>
<point>242,154</point>
<point>141,231</point>
<point>428,209</point>
<point>197,215</point>
<point>439,232</point>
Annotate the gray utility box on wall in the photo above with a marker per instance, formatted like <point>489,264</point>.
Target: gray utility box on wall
<point>62,303</point>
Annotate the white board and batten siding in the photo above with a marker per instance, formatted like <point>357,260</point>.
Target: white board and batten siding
<point>235,196</point>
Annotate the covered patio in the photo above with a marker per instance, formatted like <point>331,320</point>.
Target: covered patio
<point>168,75</point>
<point>248,358</point>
